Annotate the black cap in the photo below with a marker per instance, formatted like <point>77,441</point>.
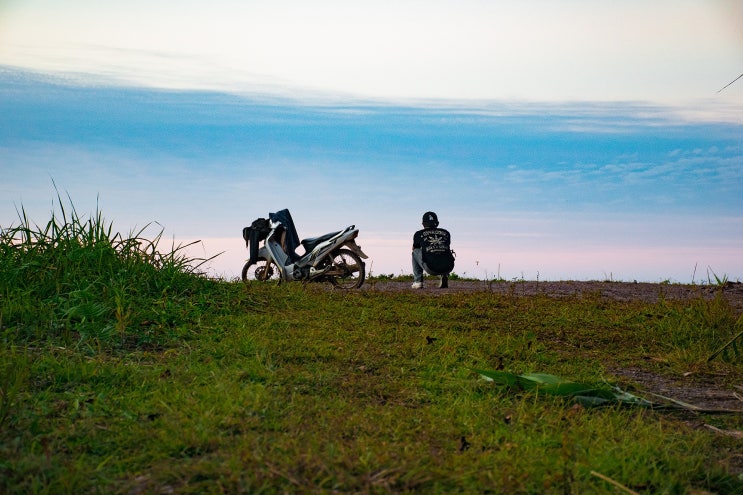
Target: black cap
<point>430,220</point>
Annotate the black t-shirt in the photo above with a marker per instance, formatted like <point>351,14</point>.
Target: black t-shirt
<point>433,241</point>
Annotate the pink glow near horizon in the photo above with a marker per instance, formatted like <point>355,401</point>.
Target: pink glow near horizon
<point>533,262</point>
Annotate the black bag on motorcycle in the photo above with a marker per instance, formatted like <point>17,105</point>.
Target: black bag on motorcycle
<point>254,234</point>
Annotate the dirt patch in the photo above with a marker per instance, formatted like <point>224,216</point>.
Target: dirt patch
<point>724,404</point>
<point>703,392</point>
<point>621,291</point>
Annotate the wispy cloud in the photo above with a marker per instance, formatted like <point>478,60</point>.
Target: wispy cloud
<point>468,50</point>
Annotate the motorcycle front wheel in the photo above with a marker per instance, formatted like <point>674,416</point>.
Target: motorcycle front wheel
<point>347,270</point>
<point>261,270</point>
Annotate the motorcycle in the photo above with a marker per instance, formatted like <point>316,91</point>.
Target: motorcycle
<point>333,257</point>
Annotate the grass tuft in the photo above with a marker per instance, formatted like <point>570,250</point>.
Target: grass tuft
<point>74,278</point>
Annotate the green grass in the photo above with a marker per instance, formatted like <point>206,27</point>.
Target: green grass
<point>122,370</point>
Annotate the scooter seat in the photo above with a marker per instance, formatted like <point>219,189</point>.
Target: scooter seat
<point>310,243</point>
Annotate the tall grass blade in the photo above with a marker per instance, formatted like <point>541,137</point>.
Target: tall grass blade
<point>732,343</point>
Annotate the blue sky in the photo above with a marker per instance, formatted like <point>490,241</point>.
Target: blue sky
<point>580,142</point>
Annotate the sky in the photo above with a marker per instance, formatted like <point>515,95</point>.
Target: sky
<point>583,140</point>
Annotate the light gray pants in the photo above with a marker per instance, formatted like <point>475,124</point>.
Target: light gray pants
<point>417,265</point>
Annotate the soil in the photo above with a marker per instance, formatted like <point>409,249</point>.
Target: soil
<point>621,291</point>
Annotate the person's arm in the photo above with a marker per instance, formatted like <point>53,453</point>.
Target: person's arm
<point>417,240</point>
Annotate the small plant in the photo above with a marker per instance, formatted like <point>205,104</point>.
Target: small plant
<point>731,346</point>
<point>719,281</point>
<point>697,332</point>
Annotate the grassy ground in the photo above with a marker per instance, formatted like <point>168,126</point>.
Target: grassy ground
<point>124,372</point>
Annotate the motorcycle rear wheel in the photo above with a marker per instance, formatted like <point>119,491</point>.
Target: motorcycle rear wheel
<point>347,271</point>
<point>261,270</point>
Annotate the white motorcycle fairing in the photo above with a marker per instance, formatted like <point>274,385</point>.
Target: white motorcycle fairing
<point>309,266</point>
<point>334,257</point>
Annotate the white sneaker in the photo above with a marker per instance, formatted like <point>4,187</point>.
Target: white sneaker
<point>417,285</point>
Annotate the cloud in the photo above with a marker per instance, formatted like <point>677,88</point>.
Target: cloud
<point>642,51</point>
